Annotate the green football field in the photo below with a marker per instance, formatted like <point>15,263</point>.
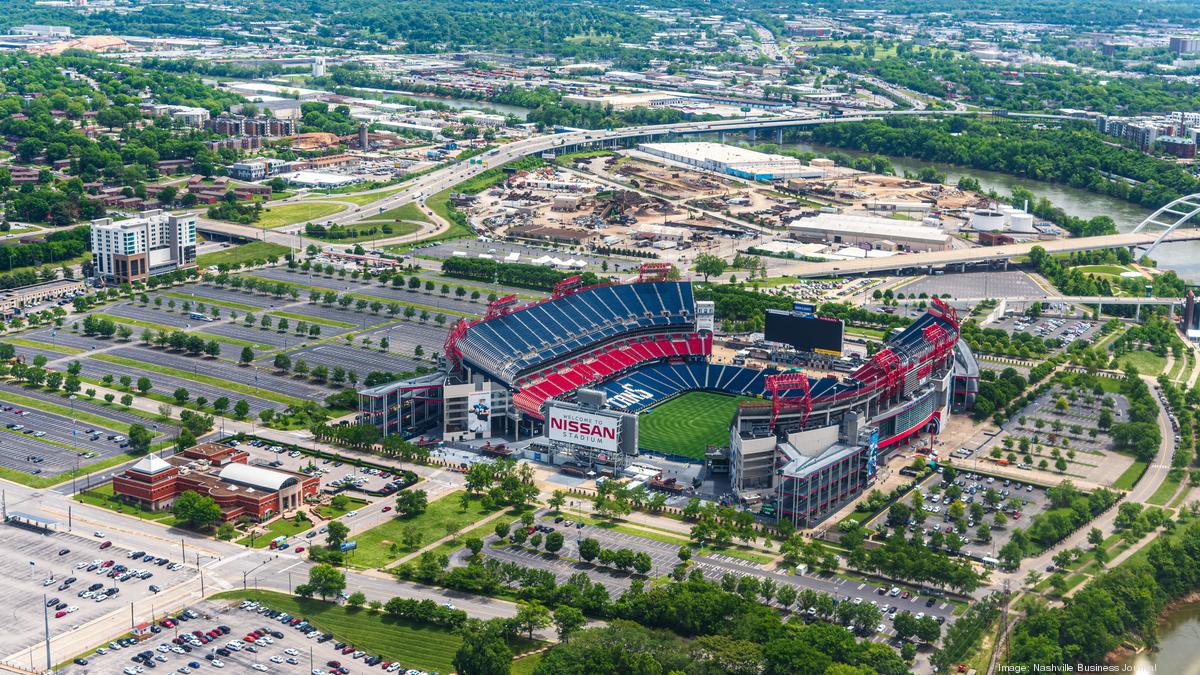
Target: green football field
<point>689,423</point>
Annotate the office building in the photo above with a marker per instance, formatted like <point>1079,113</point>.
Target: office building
<point>240,489</point>
<point>153,243</point>
<point>1184,44</point>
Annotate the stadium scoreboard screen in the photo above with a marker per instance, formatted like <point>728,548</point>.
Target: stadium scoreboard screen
<point>805,332</point>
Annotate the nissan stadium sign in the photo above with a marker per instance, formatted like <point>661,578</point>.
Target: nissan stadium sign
<point>584,428</point>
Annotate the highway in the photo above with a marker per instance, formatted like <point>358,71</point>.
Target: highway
<point>447,177</point>
<point>973,256</point>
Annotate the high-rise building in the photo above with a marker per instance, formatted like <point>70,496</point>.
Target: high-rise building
<point>1184,44</point>
<point>153,243</point>
<point>318,67</point>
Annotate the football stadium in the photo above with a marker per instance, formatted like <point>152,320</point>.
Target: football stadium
<point>598,374</point>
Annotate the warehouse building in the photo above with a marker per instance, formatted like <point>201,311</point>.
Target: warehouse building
<point>838,228</point>
<point>732,160</point>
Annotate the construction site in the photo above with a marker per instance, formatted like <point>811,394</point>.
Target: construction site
<point>632,203</point>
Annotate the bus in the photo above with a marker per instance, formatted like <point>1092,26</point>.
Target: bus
<point>200,317</point>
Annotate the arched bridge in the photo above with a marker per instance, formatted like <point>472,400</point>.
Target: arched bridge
<point>1171,217</point>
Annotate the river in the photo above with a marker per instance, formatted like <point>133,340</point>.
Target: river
<point>1183,257</point>
<point>467,104</point>
<point>1179,644</point>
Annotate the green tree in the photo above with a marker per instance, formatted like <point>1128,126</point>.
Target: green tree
<point>139,438</point>
<point>326,580</point>
<point>568,620</point>
<point>709,265</point>
<point>195,510</point>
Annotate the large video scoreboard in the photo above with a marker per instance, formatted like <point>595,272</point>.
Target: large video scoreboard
<point>805,332</point>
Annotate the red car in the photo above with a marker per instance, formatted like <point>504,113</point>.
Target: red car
<point>59,615</point>
<point>386,509</point>
<point>347,650</point>
<point>104,545</point>
<point>299,549</point>
<point>334,664</point>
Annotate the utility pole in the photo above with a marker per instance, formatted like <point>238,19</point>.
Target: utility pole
<point>46,628</point>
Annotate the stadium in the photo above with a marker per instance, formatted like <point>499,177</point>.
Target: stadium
<point>609,354</point>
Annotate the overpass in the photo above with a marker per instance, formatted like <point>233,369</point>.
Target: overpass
<point>976,255</point>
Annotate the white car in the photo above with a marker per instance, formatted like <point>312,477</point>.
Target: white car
<point>177,650</point>
<point>260,667</point>
<point>217,663</point>
<point>72,609</point>
<point>352,514</point>
<point>276,659</point>
<point>291,652</point>
<point>100,535</point>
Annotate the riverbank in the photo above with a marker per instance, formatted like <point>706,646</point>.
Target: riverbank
<point>1177,650</point>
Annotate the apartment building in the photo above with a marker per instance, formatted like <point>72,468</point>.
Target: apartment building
<point>153,243</point>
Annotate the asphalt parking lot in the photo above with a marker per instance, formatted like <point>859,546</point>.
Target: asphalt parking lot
<point>167,384</point>
<point>32,557</point>
<point>358,359</point>
<point>973,487</point>
<point>150,314</point>
<point>291,653</point>
<point>224,370</point>
<point>997,284</point>
<point>527,253</point>
<point>202,292</point>
<point>378,290</point>
<point>1062,329</point>
<point>404,336</point>
<point>17,445</point>
<point>359,320</point>
<point>269,337</point>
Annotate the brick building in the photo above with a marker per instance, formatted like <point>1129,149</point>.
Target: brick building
<point>218,471</point>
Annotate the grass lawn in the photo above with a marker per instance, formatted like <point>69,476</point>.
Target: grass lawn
<point>361,232</point>
<point>206,379</point>
<point>102,496</point>
<point>415,645</point>
<point>409,211</point>
<point>209,301</point>
<point>364,199</point>
<point>47,346</point>
<point>525,664</point>
<point>315,319</point>
<point>375,546</point>
<point>687,424</point>
<point>1130,477</point>
<point>240,255</point>
<point>329,512</point>
<point>1164,492</point>
<point>1147,362</point>
<point>296,212</point>
<point>1114,270</point>
<point>285,527</point>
